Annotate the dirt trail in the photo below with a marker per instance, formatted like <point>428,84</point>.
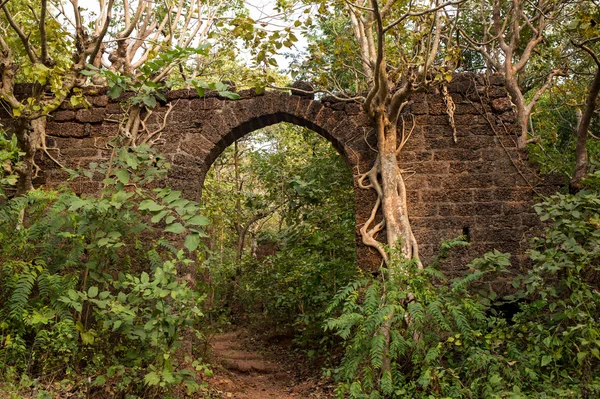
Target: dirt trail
<point>247,373</point>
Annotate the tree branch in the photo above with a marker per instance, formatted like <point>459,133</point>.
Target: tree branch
<point>43,38</point>
<point>419,13</point>
<point>24,39</point>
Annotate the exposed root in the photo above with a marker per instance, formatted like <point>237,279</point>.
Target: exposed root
<point>154,137</point>
<point>38,142</point>
<point>450,108</point>
<point>370,229</point>
<point>405,136</point>
<point>135,127</point>
<point>367,232</point>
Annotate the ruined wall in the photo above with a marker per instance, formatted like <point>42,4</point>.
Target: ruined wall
<point>480,185</point>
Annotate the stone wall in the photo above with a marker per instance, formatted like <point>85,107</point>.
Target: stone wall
<point>480,185</point>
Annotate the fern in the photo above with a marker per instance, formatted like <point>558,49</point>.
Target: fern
<point>387,385</point>
<point>167,245</point>
<point>371,299</point>
<point>461,284</point>
<point>399,345</point>
<point>22,291</point>
<point>416,311</point>
<point>461,321</point>
<point>435,309</point>
<point>433,355</point>
<point>377,350</point>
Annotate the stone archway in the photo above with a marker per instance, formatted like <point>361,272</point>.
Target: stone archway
<point>217,124</point>
<point>480,184</point>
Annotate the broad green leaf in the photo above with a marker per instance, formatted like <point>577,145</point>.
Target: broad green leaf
<point>192,241</point>
<point>546,360</point>
<point>99,381</point>
<point>157,218</point>
<point>92,292</point>
<point>150,205</point>
<point>230,95</point>
<point>198,220</point>
<point>152,378</point>
<point>175,228</point>
<point>87,338</point>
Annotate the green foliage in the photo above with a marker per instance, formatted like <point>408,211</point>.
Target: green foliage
<point>555,123</point>
<point>334,59</point>
<point>445,340</point>
<point>146,91</point>
<point>301,251</point>
<point>428,329</point>
<point>9,160</point>
<point>90,285</point>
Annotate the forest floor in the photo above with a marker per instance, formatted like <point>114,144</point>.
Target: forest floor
<point>247,367</point>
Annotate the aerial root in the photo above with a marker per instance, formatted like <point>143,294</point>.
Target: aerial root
<point>368,231</point>
<point>135,127</point>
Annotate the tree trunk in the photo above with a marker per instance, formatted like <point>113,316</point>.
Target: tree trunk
<point>581,153</point>
<point>29,135</point>
<point>512,87</point>
<point>394,205</point>
<point>393,199</point>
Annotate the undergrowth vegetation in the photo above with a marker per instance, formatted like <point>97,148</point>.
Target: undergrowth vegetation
<point>282,232</point>
<point>91,289</point>
<point>94,296</point>
<point>447,339</point>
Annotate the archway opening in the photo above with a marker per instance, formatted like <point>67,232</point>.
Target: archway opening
<point>282,234</point>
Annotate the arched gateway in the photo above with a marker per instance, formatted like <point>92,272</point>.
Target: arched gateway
<point>479,185</point>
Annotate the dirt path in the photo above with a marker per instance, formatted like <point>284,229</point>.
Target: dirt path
<point>246,373</point>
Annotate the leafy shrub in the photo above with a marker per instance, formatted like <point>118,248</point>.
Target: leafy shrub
<point>9,160</point>
<point>90,285</point>
<point>292,191</point>
<point>406,337</point>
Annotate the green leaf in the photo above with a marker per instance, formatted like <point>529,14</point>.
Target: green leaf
<point>192,241</point>
<point>144,278</point>
<point>92,292</point>
<point>175,228</point>
<point>156,218</point>
<point>115,91</point>
<point>99,381</point>
<point>78,203</point>
<point>87,338</point>
<point>149,101</point>
<point>230,95</point>
<point>546,360</point>
<point>122,297</point>
<point>152,378</point>
<point>150,205</point>
<point>198,220</point>
<point>172,196</point>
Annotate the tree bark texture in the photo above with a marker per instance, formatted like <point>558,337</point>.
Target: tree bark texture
<point>581,152</point>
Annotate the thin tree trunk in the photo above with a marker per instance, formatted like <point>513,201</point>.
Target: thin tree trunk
<point>512,87</point>
<point>238,206</point>
<point>581,153</point>
<point>29,135</point>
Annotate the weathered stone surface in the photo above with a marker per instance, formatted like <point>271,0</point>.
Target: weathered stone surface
<point>472,185</point>
<point>92,115</point>
<point>63,116</point>
<point>66,129</point>
<point>502,104</point>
